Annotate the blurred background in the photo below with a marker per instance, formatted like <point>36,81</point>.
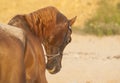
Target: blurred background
<point>84,9</point>
<point>93,56</point>
<point>92,15</point>
<point>99,17</point>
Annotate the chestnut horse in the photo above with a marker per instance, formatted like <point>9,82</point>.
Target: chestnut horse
<point>50,29</point>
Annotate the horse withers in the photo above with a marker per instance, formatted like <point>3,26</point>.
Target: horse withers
<point>47,27</point>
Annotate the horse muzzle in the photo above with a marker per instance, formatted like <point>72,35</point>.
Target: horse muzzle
<point>54,70</point>
<point>53,66</point>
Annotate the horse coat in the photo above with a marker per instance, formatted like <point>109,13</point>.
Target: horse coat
<point>21,60</point>
<point>12,47</point>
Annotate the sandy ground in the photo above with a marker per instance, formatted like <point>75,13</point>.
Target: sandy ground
<point>89,59</point>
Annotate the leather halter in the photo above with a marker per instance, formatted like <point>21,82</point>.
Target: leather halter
<point>57,54</point>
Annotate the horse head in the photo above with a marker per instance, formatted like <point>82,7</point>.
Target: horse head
<point>54,29</point>
<point>55,42</point>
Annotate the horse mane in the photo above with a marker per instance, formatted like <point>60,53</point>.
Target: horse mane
<point>46,14</point>
<point>44,17</point>
<point>38,20</point>
<point>49,14</point>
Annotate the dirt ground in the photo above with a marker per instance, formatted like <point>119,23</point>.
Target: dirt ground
<point>90,59</point>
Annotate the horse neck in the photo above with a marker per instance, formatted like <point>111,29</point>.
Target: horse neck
<point>20,22</point>
<point>35,24</point>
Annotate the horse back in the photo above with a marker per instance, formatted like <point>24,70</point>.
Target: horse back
<point>12,68</point>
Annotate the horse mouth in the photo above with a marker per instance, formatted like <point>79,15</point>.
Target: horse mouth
<point>53,65</point>
<point>51,70</point>
<point>54,70</point>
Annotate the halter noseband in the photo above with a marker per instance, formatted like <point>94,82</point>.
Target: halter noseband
<point>54,55</point>
<point>50,56</point>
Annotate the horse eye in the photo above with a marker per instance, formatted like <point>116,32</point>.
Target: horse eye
<point>69,40</point>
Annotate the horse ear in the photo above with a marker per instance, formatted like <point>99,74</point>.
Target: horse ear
<point>71,21</point>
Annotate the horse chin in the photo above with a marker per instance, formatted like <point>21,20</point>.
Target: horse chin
<point>54,70</point>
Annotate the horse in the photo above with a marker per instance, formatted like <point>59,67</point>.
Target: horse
<point>49,28</point>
